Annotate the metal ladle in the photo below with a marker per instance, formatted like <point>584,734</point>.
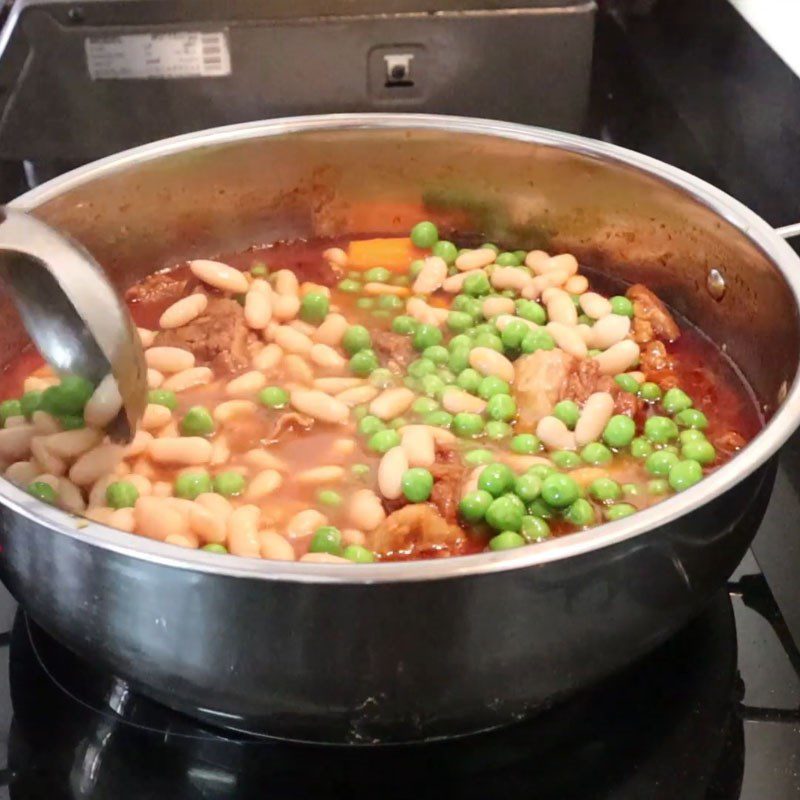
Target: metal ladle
<point>78,322</point>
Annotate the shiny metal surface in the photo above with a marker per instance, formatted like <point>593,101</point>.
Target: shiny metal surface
<point>79,323</point>
<point>410,650</point>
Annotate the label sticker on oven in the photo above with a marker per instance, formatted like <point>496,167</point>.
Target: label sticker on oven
<point>193,54</point>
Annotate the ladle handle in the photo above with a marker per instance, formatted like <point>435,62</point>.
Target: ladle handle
<point>789,231</point>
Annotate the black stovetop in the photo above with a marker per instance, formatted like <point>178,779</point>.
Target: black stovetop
<point>712,715</point>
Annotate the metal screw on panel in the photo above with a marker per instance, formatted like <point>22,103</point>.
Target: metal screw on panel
<point>715,283</point>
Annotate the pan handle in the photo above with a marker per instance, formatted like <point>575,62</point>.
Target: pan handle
<point>789,231</point>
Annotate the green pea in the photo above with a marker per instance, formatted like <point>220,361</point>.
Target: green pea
<point>622,306</point>
<point>525,444</point>
<point>584,320</point>
<point>439,419</point>
<point>467,425</point>
<point>476,284</point>
<point>473,505</point>
<point>436,353</point>
<point>497,479</point>
<point>370,425</point>
<point>163,397</point>
<point>415,267</point>
<point>659,430</point>
<point>568,412</point>
<point>532,311</point>
<point>631,490</point>
<point>71,422</point>
<point>492,385</point>
<point>660,463</point>
<point>618,511</point>
<point>596,454</point>
<point>214,547</point>
<point>329,497</point>
<point>273,397</point>
<point>424,235</point>
<point>513,334</point>
<point>701,451</point>
<point>458,321</point>
<point>501,407</point>
<point>489,340</point>
<point>383,441</point>
<point>377,275</point>
<point>356,338</point>
<point>560,490</point>
<point>421,367</point>
<point>197,421</point>
<point>398,422</point>
<point>363,363</point>
<point>382,378</point>
<point>417,484</point>
<point>326,539</point>
<point>380,314</point>
<point>496,430</point>
<point>365,303</point>
<point>649,391</point>
<point>507,260</point>
<point>691,435</point>
<point>404,324</point>
<point>314,308</point>
<point>675,401</point>
<point>537,340</point>
<point>685,474</point>
<point>259,269</point>
<point>605,490</point>
<point>360,471</point>
<point>72,394</point>
<point>432,385</point>
<point>507,540</point>
<point>641,447</point>
<point>390,302</point>
<point>692,418</point>
<point>355,275</point>
<point>29,402</point>
<point>541,471</point>
<point>469,380</point>
<point>424,405</point>
<point>527,487</point>
<point>478,457</point>
<point>447,251</point>
<point>358,554</point>
<point>534,529</point>
<point>539,508</point>
<point>657,486</point>
<point>619,431</point>
<point>229,483</point>
<point>189,485</point>
<point>121,494</point>
<point>565,459</point>
<point>426,336</point>
<point>10,408</point>
<point>42,491</point>
<point>459,359</point>
<point>580,513</point>
<point>504,514</point>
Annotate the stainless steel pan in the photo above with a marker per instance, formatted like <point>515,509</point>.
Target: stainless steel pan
<point>410,651</point>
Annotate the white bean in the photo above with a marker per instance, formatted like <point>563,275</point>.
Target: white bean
<point>419,309</point>
<point>392,403</point>
<point>70,497</point>
<point>419,445</point>
<point>143,485</point>
<point>188,450</point>
<point>392,466</point>
<point>492,306</point>
<point>560,307</point>
<point>155,416</point>
<point>609,330</point>
<point>564,263</point>
<point>216,504</point>
<point>188,378</point>
<point>257,309</point>
<point>327,474</point>
<point>336,256</point>
<point>264,483</point>
<point>233,408</point>
<point>358,395</point>
<point>577,284</point>
<point>568,339</point>
<point>454,283</point>
<point>242,525</point>
<point>95,463</point>
<point>555,435</point>
<point>475,259</point>
<point>535,259</point>
<point>431,276</point>
<point>154,378</point>
<point>618,358</point>
<point>332,330</point>
<point>146,337</point>
<point>510,278</point>
<point>123,519</point>
<point>639,377</point>
<point>183,311</point>
<point>440,435</point>
<point>301,326</point>
<point>374,288</point>
<point>366,510</point>
<point>597,411</point>
<point>71,444</point>
<point>286,282</point>
<point>595,305</point>
<point>304,523</point>
<point>207,525</point>
<point>268,357</point>
<point>336,385</point>
<point>285,307</point>
<point>319,405</point>
<point>21,472</point>
<point>490,362</point>
<point>15,442</point>
<point>138,444</point>
<point>292,341</point>
<point>323,558</point>
<point>50,463</point>
<point>457,400</point>
<point>275,547</point>
<point>585,332</point>
<point>324,355</point>
<point>169,359</point>
<point>104,404</point>
<point>219,275</point>
<point>44,423</point>
<point>220,450</point>
<point>504,319</point>
<point>247,384</point>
